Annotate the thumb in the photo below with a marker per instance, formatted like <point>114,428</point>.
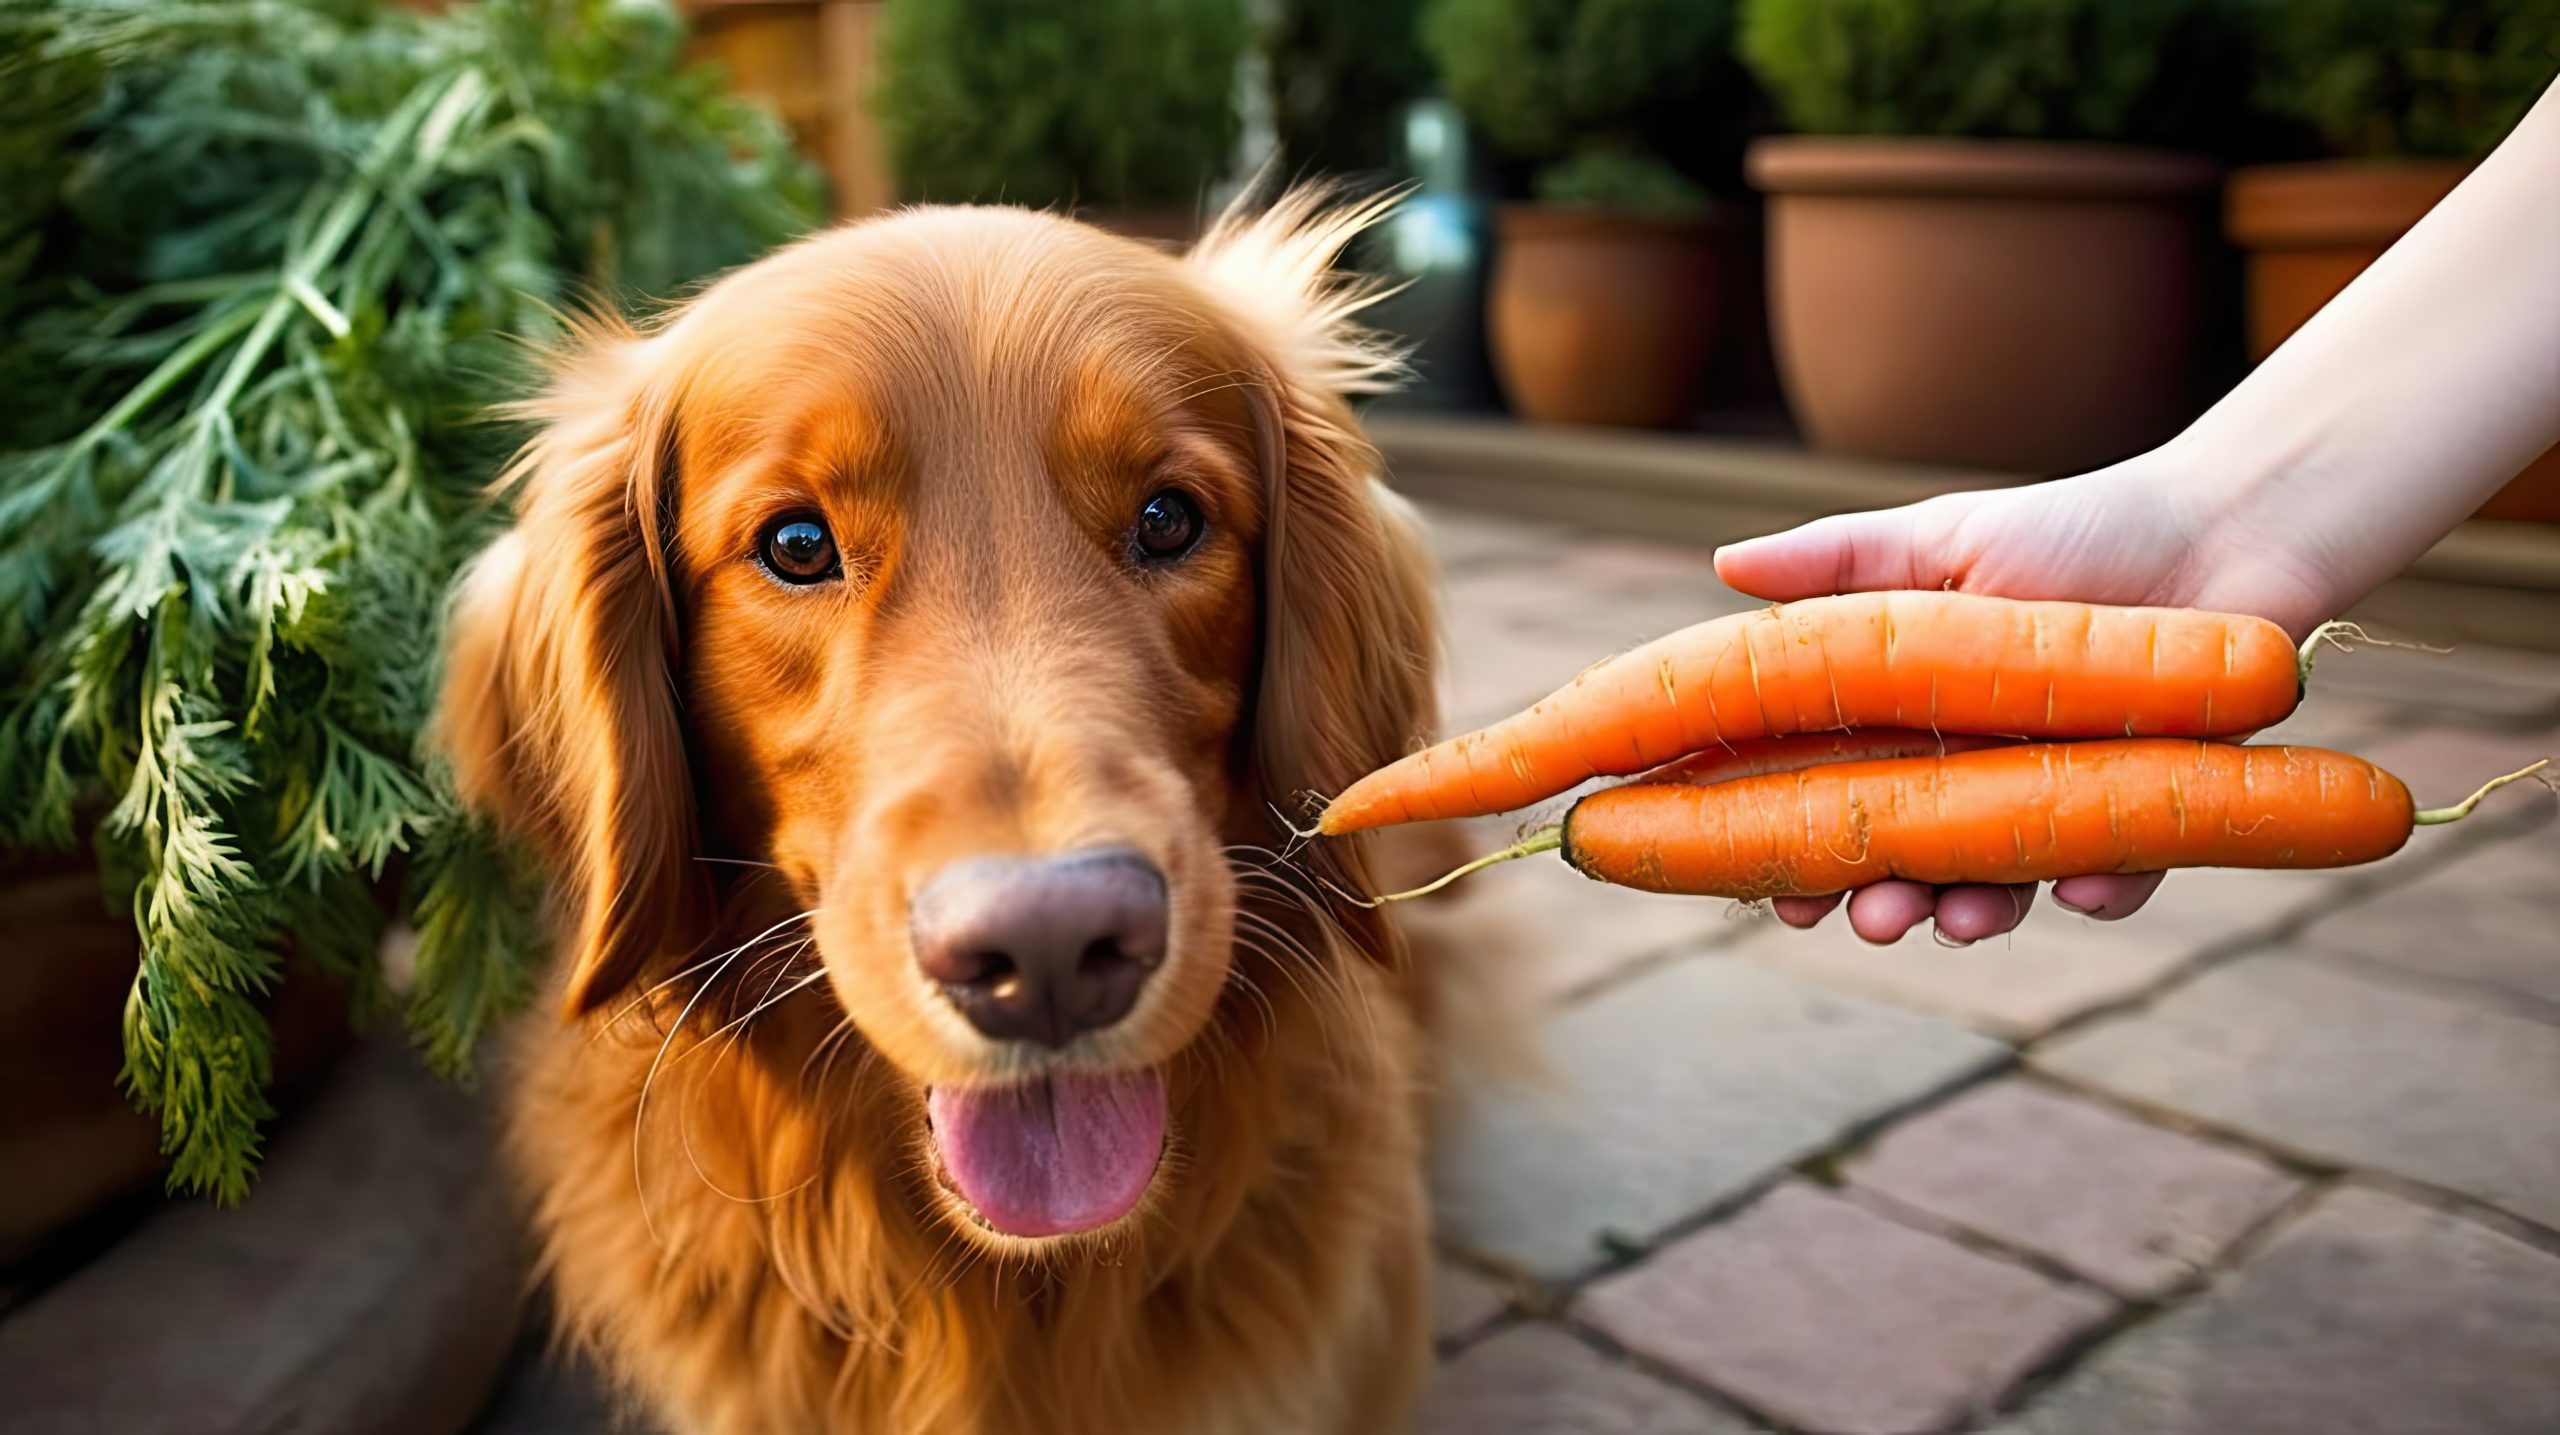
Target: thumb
<point>1846,553</point>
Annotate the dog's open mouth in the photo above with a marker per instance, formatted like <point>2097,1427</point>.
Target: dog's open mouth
<point>1070,1152</point>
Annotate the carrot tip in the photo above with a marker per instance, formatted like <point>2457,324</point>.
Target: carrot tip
<point>2437,816</point>
<point>1545,839</point>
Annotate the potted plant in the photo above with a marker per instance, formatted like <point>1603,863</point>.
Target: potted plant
<point>1123,110</point>
<point>265,269</point>
<point>1607,287</point>
<point>1966,268</point>
<point>2401,96</point>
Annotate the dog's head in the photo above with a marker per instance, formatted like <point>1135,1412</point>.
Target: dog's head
<point>971,580</point>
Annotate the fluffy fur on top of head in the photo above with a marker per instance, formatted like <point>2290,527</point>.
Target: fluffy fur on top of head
<point>742,777</point>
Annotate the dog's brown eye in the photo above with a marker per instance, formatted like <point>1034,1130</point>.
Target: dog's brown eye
<point>799,550</point>
<point>1168,527</point>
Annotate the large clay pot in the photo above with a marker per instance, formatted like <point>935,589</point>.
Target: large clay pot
<point>2310,229</point>
<point>1991,303</point>
<point>1603,318</point>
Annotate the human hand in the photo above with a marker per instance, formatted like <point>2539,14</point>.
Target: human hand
<point>2131,534</point>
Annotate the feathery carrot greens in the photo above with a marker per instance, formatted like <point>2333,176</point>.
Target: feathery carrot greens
<point>263,265</point>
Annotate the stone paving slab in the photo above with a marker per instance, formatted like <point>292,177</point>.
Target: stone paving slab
<point>1462,1302</point>
<point>372,1280</point>
<point>2346,1070</point>
<point>1826,1316</point>
<point>1464,539</point>
<point>1504,670</point>
<point>2370,1316</point>
<point>2058,964</point>
<point>2503,684</point>
<point>1539,1380</point>
<point>1541,929</point>
<point>2492,918</point>
<point>1666,1094</point>
<point>2347,722</point>
<point>2117,1201</point>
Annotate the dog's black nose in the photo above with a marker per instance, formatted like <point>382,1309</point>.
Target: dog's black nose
<point>1042,948</point>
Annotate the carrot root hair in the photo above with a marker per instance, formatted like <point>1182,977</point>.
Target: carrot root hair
<point>2346,637</point>
<point>2438,816</point>
<point>1545,839</point>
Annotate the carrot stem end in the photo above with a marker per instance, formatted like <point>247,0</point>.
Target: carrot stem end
<point>1545,839</point>
<point>2438,816</point>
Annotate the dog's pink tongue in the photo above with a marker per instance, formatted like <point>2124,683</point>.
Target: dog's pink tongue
<point>1057,1156</point>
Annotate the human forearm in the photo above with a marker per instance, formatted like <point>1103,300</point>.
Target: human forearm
<point>2407,401</point>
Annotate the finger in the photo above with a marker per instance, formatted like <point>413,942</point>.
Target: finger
<point>1971,912</point>
<point>2108,897</point>
<point>1846,553</point>
<point>1883,912</point>
<point>1805,911</point>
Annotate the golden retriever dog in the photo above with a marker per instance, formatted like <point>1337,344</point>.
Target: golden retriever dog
<point>903,660</point>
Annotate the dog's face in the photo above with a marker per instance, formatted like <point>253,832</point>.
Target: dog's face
<point>934,565</point>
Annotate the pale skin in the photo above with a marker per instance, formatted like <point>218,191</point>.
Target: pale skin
<point>2381,424</point>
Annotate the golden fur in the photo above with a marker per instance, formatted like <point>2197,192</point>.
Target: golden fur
<point>740,785</point>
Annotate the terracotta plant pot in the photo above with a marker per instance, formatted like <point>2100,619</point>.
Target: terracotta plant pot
<point>2309,229</point>
<point>1602,318</point>
<point>1990,303</point>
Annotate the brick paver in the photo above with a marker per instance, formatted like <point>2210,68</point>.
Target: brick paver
<point>1668,1093</point>
<point>2399,1018</point>
<point>2348,1070</point>
<point>1540,930</point>
<point>2058,964</point>
<point>1539,1380</point>
<point>1829,1317</point>
<point>1462,1302</point>
<point>2491,919</point>
<point>2370,1316</point>
<point>2128,1205</point>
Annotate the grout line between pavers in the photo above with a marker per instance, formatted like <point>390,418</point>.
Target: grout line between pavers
<point>1674,1376</point>
<point>1886,1206</point>
<point>1557,1295</point>
<point>2312,1167</point>
<point>2486,996</point>
<point>1645,963</point>
<point>2354,889</point>
<point>2131,1315</point>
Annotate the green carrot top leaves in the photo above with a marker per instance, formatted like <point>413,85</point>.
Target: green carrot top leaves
<point>264,267</point>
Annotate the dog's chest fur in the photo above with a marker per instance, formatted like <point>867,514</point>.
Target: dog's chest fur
<point>790,1271</point>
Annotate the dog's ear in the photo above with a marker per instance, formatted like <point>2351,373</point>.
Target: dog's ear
<point>1347,680</point>
<point>558,711</point>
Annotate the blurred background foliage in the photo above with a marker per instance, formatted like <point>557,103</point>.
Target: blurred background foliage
<point>2391,78</point>
<point>1126,104</point>
<point>1626,103</point>
<point>2134,71</point>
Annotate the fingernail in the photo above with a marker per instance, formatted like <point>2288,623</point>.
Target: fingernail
<point>2068,905</point>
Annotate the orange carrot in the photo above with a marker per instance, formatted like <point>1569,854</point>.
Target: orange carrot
<point>2015,814</point>
<point>1948,662</point>
<point>1756,755</point>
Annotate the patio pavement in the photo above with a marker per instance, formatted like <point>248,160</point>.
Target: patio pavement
<point>2280,1154</point>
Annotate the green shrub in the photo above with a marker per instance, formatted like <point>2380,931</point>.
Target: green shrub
<point>1547,81</point>
<point>1340,70</point>
<point>1605,179</point>
<point>269,264</point>
<point>1051,102</point>
<point>2443,78</point>
<point>2140,71</point>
